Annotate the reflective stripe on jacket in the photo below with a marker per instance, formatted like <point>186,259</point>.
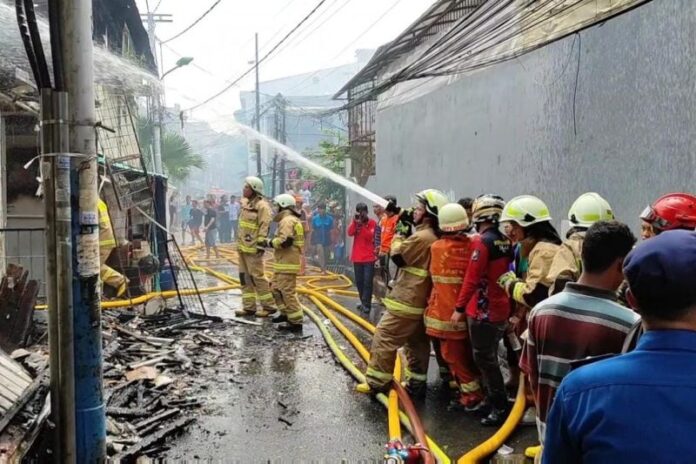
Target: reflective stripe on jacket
<point>287,258</point>
<point>254,222</point>
<point>449,259</point>
<point>531,288</point>
<point>411,291</point>
<point>567,263</point>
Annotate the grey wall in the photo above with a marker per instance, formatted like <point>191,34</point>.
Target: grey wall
<point>509,129</point>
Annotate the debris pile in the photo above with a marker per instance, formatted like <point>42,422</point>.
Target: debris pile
<point>151,363</point>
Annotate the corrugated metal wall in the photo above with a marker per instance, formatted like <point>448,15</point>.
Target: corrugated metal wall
<point>625,128</point>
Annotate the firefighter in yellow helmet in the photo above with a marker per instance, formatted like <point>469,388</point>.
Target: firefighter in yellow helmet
<point>402,322</point>
<point>567,264</point>
<point>252,234</point>
<point>107,242</point>
<point>537,243</point>
<point>287,245</point>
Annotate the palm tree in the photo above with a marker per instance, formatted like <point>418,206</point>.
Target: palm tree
<point>178,158</point>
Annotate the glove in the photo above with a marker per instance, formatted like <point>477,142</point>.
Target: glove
<point>403,229</point>
<point>392,208</point>
<point>263,243</point>
<point>407,216</point>
<point>506,280</point>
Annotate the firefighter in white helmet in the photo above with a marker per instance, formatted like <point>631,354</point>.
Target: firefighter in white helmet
<point>252,234</point>
<point>287,245</point>
<point>402,323</point>
<point>567,264</point>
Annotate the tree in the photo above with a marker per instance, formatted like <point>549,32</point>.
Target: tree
<point>332,156</point>
<point>178,158</point>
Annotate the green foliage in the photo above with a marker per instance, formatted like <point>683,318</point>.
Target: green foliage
<point>332,156</point>
<point>178,158</point>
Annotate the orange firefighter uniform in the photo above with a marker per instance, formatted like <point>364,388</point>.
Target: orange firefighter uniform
<point>254,222</point>
<point>449,258</point>
<point>402,323</point>
<point>107,242</point>
<point>288,244</point>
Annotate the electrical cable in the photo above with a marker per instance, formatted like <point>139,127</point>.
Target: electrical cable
<point>261,60</point>
<point>26,40</point>
<point>54,23</point>
<point>360,36</point>
<point>36,43</point>
<point>193,24</point>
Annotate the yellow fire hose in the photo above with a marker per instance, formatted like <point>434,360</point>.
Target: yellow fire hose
<point>489,446</point>
<point>348,364</point>
<point>393,407</point>
<point>321,300</point>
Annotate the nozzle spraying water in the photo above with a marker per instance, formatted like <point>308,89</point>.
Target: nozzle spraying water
<point>317,169</point>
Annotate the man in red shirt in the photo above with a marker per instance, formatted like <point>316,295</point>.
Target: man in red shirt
<point>486,305</point>
<point>362,229</point>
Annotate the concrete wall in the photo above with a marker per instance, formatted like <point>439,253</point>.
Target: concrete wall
<point>510,128</point>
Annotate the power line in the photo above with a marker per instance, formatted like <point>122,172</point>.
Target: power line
<point>193,24</point>
<point>360,36</point>
<point>261,60</point>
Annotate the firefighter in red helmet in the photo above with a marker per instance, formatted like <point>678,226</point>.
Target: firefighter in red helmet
<point>670,212</point>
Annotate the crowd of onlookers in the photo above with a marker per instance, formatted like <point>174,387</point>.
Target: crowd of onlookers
<point>214,219</point>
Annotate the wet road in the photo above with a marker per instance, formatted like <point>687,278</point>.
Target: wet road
<point>283,397</point>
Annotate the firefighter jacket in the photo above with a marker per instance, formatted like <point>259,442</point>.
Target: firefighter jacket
<point>106,233</point>
<point>411,291</point>
<point>287,243</point>
<point>480,296</point>
<point>254,222</point>
<point>567,264</point>
<point>530,287</point>
<point>449,258</point>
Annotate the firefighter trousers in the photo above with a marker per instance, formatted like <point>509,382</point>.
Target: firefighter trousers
<point>108,275</point>
<point>394,332</point>
<point>254,283</point>
<point>460,360</point>
<point>284,288</point>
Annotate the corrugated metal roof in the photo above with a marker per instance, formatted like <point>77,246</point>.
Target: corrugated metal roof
<point>14,381</point>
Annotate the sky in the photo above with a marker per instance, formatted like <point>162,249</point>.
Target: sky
<point>222,44</point>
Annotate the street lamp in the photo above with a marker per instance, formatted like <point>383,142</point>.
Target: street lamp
<point>180,63</point>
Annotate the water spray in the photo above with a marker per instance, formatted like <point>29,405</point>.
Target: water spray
<point>290,154</point>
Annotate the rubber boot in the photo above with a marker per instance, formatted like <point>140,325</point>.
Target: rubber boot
<point>280,318</point>
<point>287,327</point>
<point>415,389</point>
<point>243,313</point>
<point>264,312</point>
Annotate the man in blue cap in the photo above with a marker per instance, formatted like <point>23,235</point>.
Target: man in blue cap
<point>641,406</point>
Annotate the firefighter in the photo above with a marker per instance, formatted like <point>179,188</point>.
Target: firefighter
<point>107,242</point>
<point>402,322</point>
<point>567,264</point>
<point>538,242</point>
<point>485,306</point>
<point>287,245</point>
<point>449,258</point>
<point>254,222</point>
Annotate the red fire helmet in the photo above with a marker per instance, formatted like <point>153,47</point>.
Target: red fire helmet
<point>672,211</point>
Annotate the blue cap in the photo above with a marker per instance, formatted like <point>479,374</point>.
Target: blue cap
<point>661,271</point>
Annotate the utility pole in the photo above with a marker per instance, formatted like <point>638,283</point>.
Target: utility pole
<point>152,19</point>
<point>77,47</point>
<point>258,107</point>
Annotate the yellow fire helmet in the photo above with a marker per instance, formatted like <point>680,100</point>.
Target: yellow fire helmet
<point>433,200</point>
<point>525,210</point>
<point>588,209</point>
